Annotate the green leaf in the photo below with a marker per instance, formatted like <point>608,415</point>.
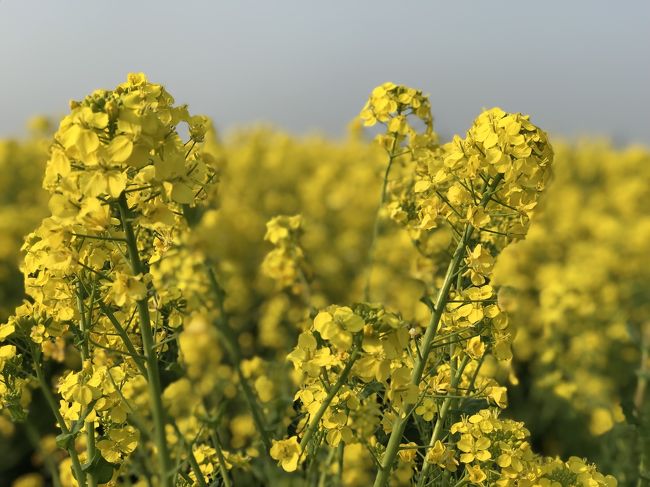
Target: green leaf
<point>64,439</point>
<point>99,468</point>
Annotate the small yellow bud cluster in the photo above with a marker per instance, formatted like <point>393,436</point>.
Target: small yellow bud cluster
<point>285,264</point>
<point>393,105</point>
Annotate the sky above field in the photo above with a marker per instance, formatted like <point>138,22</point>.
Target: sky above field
<point>579,67</point>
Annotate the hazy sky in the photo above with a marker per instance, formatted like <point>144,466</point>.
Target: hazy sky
<point>578,66</point>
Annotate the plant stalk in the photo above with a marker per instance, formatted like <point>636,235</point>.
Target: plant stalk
<point>442,416</point>
<point>375,230</point>
<point>85,355</point>
<point>151,360</point>
<point>313,424</point>
<point>51,401</point>
<point>399,424</point>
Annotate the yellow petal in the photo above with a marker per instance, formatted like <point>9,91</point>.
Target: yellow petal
<point>120,148</point>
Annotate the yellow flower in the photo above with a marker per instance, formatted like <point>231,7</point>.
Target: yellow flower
<point>475,474</point>
<point>442,456</point>
<point>120,442</point>
<point>427,409</point>
<point>287,453</point>
<point>282,228</point>
<point>6,330</point>
<point>474,448</point>
<point>408,452</point>
<point>127,288</point>
<point>475,347</point>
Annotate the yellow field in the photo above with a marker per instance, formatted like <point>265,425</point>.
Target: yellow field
<point>265,309</point>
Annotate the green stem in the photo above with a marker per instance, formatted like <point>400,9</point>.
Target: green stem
<point>151,360</point>
<point>85,355</point>
<point>137,358</point>
<point>442,416</point>
<point>194,465</point>
<point>375,230</point>
<point>472,381</point>
<point>51,401</point>
<point>340,457</point>
<point>399,424</point>
<point>313,425</point>
<point>91,450</point>
<point>221,459</point>
<point>232,348</point>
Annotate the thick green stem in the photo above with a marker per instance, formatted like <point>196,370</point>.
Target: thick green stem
<point>340,452</point>
<point>399,424</point>
<point>91,450</point>
<point>232,348</point>
<point>151,360</point>
<point>313,424</point>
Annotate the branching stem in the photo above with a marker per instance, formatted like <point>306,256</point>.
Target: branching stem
<point>401,420</point>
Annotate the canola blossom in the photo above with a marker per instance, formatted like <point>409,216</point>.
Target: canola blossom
<point>201,311</point>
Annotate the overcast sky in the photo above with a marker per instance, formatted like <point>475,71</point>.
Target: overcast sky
<point>579,66</point>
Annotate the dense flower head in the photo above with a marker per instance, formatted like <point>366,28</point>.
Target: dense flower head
<point>496,451</point>
<point>117,138</point>
<point>124,187</point>
<point>492,178</point>
<point>117,148</point>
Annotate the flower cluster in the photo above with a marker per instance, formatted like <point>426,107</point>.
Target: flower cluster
<point>495,451</point>
<point>393,105</point>
<point>285,263</point>
<point>365,357</point>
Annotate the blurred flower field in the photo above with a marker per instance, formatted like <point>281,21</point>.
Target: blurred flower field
<point>266,309</point>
